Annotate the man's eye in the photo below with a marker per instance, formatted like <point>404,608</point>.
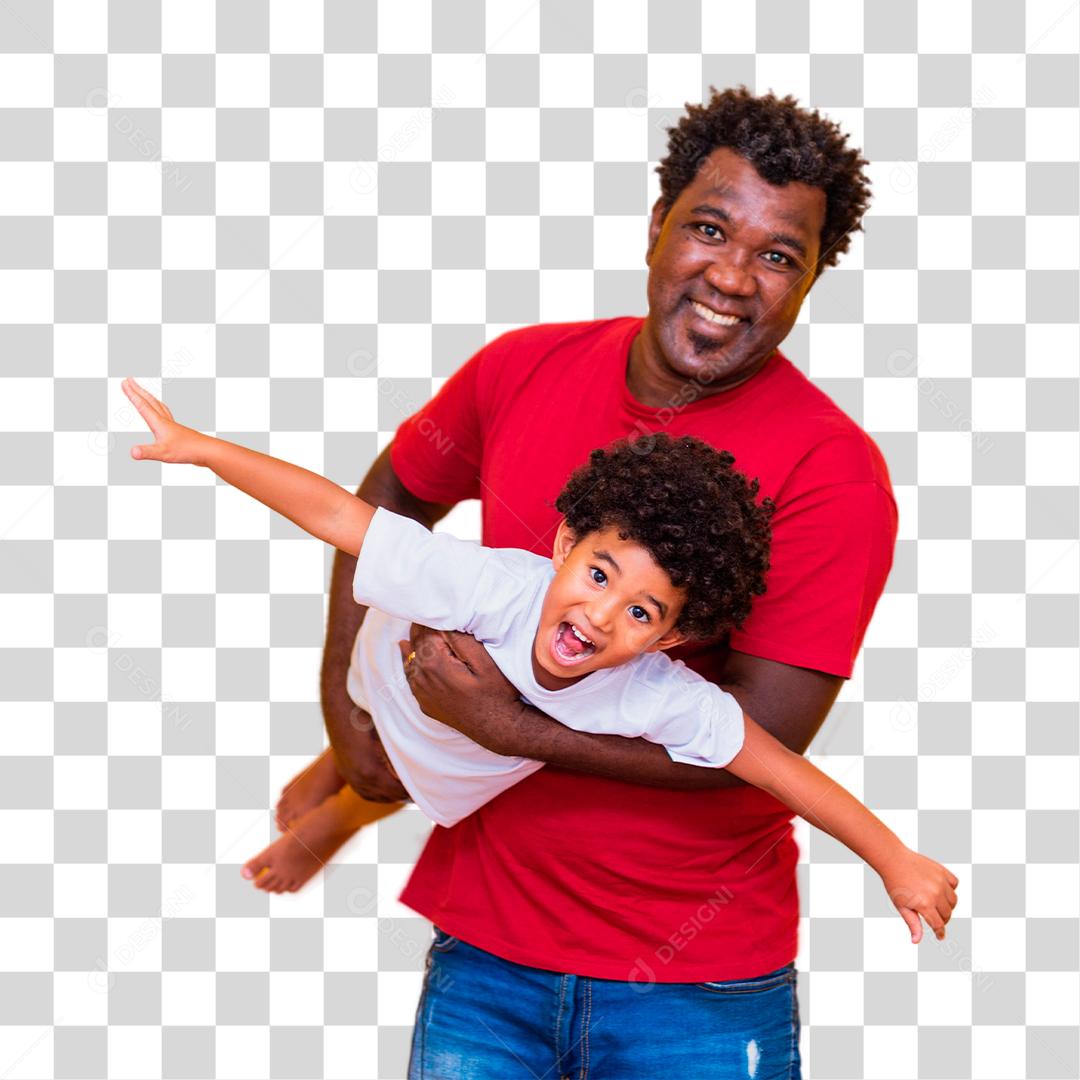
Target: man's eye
<point>708,225</point>
<point>636,608</point>
<point>786,262</point>
<point>596,570</point>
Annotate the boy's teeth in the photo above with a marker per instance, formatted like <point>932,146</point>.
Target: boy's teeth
<point>712,316</point>
<point>579,635</point>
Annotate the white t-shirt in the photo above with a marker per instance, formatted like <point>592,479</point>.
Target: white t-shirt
<point>405,573</point>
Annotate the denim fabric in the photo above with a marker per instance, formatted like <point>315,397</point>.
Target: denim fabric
<point>484,1018</point>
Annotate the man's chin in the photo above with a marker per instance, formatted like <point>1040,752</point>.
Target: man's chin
<point>703,345</point>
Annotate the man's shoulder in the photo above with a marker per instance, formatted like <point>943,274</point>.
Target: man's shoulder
<point>509,360</point>
<point>528,345</point>
<point>831,444</point>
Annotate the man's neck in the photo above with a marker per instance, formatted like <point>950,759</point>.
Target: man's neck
<point>651,382</point>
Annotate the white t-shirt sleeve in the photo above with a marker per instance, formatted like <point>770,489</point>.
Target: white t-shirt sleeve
<point>410,572</point>
<point>697,722</point>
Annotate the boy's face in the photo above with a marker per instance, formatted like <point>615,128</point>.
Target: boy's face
<point>614,594</point>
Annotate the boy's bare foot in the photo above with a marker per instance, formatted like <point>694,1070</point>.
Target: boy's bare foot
<point>311,840</point>
<point>307,789</point>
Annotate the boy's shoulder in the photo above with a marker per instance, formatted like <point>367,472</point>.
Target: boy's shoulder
<point>663,678</point>
<point>512,573</point>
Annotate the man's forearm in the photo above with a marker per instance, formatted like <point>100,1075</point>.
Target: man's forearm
<point>637,761</point>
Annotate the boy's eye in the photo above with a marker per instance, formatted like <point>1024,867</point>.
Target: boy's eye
<point>597,570</point>
<point>636,608</point>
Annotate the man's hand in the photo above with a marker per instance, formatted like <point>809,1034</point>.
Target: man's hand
<point>455,681</point>
<point>368,772</point>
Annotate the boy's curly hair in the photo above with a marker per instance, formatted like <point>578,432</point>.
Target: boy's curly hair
<point>696,515</point>
<point>783,142</point>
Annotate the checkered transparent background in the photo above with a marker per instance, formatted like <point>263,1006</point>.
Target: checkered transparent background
<point>294,221</point>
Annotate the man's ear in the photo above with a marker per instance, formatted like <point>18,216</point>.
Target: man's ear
<point>564,541</point>
<point>656,220</point>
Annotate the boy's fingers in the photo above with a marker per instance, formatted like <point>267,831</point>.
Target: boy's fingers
<point>138,399</point>
<point>914,925</point>
<point>147,413</point>
<point>158,406</point>
<point>135,391</point>
<point>145,452</point>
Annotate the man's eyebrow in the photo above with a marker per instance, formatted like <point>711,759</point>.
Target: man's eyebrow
<point>785,239</point>
<point>605,556</point>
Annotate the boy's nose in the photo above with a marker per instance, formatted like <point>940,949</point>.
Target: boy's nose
<point>599,616</point>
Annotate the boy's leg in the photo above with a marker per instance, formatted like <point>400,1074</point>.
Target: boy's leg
<point>308,788</point>
<point>310,841</point>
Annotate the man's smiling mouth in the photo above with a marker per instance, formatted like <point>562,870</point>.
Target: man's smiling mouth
<point>714,318</point>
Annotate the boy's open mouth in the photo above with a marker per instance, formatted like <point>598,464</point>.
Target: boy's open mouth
<point>567,647</point>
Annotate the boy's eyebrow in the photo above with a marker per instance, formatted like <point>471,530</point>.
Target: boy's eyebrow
<point>606,557</point>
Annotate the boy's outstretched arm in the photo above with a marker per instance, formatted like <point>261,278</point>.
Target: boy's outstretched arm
<point>916,885</point>
<point>314,503</point>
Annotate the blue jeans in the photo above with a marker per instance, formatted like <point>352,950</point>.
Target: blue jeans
<point>484,1018</point>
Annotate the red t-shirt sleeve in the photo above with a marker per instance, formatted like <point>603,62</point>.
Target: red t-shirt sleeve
<point>832,548</point>
<point>437,452</point>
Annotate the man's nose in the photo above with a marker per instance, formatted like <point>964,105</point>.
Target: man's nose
<point>730,274</point>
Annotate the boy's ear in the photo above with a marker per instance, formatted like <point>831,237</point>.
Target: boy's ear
<point>668,641</point>
<point>564,541</point>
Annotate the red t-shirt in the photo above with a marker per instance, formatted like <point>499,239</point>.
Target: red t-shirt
<point>578,873</point>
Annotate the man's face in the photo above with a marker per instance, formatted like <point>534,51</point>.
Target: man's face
<point>613,593</point>
<point>730,242</point>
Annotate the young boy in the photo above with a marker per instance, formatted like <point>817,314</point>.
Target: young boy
<point>657,545</point>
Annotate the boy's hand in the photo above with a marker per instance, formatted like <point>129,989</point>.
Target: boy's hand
<point>174,443</point>
<point>919,886</point>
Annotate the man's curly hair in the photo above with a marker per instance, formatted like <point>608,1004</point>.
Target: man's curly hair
<point>695,515</point>
<point>783,142</point>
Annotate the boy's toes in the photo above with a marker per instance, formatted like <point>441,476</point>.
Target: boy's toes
<point>259,867</point>
<point>264,878</point>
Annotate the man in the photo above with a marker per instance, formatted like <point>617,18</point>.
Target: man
<point>618,914</point>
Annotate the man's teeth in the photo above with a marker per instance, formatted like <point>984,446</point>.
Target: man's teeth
<point>712,316</point>
<point>579,635</point>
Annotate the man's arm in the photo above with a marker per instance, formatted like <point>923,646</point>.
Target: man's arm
<point>791,703</point>
<point>356,747</point>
